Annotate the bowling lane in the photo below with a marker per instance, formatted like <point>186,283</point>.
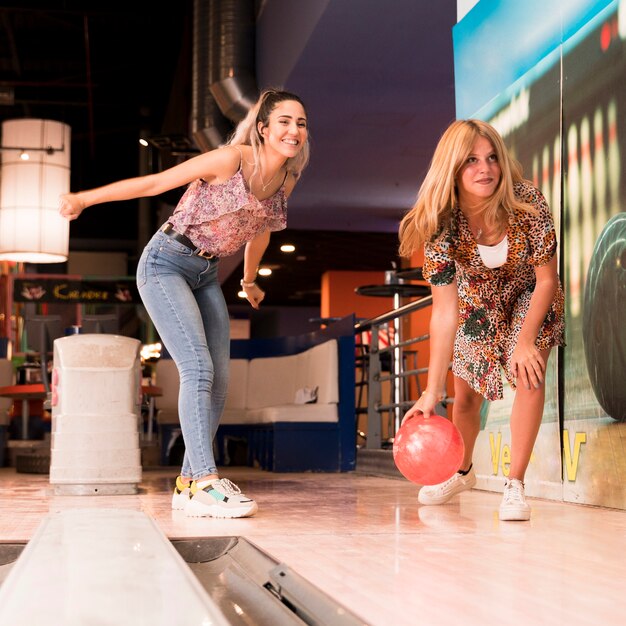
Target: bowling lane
<point>366,542</point>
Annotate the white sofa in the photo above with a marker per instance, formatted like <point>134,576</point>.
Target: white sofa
<point>264,408</point>
<point>264,390</point>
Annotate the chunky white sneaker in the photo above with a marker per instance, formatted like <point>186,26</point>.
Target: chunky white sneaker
<point>181,494</point>
<point>514,507</point>
<point>441,493</point>
<point>220,498</point>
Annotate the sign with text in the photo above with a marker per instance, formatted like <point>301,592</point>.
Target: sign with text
<point>76,291</point>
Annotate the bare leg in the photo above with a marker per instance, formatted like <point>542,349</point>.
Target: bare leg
<point>525,421</point>
<point>466,417</point>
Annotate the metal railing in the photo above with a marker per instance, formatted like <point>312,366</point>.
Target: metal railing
<point>376,370</point>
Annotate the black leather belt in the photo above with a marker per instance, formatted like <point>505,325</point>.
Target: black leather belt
<point>168,229</point>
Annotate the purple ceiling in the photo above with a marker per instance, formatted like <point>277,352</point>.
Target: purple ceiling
<point>378,81</point>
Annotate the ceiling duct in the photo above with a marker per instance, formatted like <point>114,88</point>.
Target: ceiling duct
<point>234,89</point>
<point>209,128</point>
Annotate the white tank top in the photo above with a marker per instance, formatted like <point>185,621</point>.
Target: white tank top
<point>494,256</point>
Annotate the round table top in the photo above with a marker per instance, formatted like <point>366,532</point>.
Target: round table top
<point>386,291</point>
<point>151,390</point>
<point>23,392</point>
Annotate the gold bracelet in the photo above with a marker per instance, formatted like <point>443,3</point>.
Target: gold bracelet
<point>438,396</point>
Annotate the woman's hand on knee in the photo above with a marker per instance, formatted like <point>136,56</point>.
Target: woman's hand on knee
<point>528,365</point>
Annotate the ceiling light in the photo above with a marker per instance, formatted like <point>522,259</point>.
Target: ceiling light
<point>287,247</point>
<point>33,230</point>
<point>241,294</point>
<point>265,271</point>
<point>143,142</point>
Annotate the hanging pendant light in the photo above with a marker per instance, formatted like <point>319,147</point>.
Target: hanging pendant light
<point>35,172</point>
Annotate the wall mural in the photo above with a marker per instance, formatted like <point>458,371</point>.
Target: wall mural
<point>563,120</point>
<point>594,417</point>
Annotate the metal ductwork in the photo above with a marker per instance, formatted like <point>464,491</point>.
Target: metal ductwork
<point>235,89</point>
<point>209,128</point>
<point>223,84</point>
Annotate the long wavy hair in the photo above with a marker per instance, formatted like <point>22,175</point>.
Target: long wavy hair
<point>247,131</point>
<point>438,194</point>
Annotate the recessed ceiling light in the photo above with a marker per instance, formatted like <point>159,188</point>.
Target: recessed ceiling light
<point>265,271</point>
<point>143,142</point>
<point>241,294</point>
<point>287,247</point>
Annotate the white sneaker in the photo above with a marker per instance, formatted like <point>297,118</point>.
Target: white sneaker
<point>181,494</point>
<point>441,493</point>
<point>220,498</point>
<point>514,507</point>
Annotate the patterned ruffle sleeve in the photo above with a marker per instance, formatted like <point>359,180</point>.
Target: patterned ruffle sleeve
<point>542,239</point>
<point>439,268</point>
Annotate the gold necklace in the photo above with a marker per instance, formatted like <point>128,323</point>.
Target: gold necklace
<point>494,233</point>
<point>263,184</point>
<point>479,231</point>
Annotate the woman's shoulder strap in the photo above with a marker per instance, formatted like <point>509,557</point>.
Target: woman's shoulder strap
<point>240,156</point>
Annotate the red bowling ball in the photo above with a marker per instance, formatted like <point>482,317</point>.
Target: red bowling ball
<point>429,450</point>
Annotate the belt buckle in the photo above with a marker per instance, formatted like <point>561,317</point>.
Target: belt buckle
<point>205,255</point>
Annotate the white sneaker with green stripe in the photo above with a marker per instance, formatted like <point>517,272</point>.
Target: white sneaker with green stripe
<point>181,494</point>
<point>219,498</point>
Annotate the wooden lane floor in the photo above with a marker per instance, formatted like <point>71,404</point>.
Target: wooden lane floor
<point>367,543</point>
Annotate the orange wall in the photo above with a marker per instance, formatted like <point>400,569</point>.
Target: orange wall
<point>339,299</point>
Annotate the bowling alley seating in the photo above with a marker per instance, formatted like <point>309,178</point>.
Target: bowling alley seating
<point>286,409</point>
<point>283,388</point>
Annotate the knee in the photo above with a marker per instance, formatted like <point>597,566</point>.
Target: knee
<point>467,404</point>
<point>220,383</point>
<point>192,370</point>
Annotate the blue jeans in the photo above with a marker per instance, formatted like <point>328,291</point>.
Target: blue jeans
<point>184,299</point>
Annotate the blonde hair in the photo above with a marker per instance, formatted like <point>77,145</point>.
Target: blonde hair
<point>438,193</point>
<point>247,131</point>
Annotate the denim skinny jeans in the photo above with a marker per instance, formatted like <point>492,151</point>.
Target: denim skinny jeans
<point>184,299</point>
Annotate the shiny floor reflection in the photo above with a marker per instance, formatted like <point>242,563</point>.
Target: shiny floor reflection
<point>366,542</point>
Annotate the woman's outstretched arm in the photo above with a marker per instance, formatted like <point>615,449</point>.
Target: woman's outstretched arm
<point>443,324</point>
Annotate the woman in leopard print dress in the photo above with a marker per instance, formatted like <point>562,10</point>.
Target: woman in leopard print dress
<point>490,256</point>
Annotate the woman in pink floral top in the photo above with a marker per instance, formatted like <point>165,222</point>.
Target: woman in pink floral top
<point>236,196</point>
<point>490,256</point>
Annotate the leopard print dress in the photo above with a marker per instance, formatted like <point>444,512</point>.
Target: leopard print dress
<point>493,302</point>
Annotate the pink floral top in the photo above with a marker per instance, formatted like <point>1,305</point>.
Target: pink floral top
<point>222,217</point>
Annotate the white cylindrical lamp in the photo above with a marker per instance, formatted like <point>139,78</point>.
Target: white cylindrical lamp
<point>35,172</point>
